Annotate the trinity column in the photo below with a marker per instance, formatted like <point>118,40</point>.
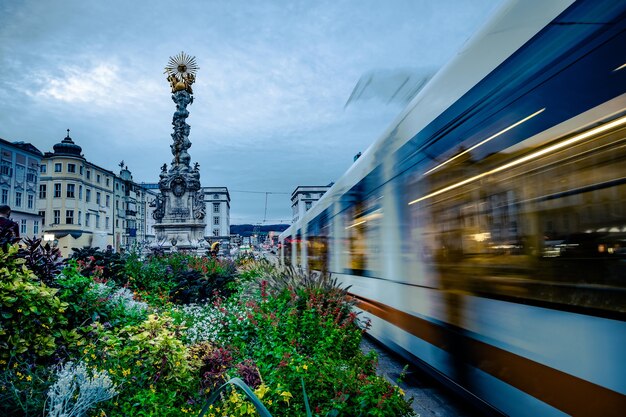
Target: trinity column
<point>180,208</point>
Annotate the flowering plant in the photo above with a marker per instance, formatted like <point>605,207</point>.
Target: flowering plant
<point>31,312</point>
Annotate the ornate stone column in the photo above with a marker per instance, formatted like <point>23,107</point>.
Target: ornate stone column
<point>180,208</point>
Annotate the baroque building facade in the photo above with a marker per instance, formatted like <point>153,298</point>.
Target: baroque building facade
<point>134,221</point>
<point>76,199</point>
<point>19,180</point>
<point>84,205</point>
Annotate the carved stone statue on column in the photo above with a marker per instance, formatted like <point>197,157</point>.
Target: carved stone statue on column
<point>180,208</point>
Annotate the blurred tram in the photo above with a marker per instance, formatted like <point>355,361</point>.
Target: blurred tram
<point>485,232</point>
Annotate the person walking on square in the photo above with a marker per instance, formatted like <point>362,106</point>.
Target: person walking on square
<point>9,230</point>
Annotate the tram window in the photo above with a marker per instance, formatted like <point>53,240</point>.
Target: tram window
<point>373,217</point>
<point>356,245</point>
<point>361,214</point>
<point>317,242</point>
<point>298,249</point>
<point>518,232</point>
<point>363,237</point>
<point>287,251</point>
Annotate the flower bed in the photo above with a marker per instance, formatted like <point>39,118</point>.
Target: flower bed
<point>124,336</point>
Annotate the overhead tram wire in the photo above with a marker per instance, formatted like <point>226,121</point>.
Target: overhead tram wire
<point>257,192</point>
<point>260,192</point>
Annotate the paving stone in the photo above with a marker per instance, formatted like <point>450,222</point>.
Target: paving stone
<point>430,398</point>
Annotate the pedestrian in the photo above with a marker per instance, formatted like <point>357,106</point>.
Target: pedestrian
<point>215,249</point>
<point>9,230</point>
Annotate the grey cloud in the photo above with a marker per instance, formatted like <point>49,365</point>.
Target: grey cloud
<point>274,78</point>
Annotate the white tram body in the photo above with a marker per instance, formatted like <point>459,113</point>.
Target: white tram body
<point>484,233</point>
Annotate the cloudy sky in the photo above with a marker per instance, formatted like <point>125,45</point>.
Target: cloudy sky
<point>269,111</point>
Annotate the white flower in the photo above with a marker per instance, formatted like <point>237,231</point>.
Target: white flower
<point>206,323</point>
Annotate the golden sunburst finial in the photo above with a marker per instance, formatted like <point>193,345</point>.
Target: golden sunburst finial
<point>181,72</point>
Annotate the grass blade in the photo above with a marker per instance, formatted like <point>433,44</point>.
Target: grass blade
<point>263,412</point>
<point>306,400</point>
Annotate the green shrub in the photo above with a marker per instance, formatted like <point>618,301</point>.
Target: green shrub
<point>31,312</point>
<point>150,402</point>
<point>91,301</point>
<point>150,353</point>
<point>304,326</point>
<point>286,329</point>
<point>84,305</point>
<point>152,274</point>
<point>23,387</point>
<point>191,287</point>
<point>205,279</point>
<point>43,260</point>
<point>100,265</point>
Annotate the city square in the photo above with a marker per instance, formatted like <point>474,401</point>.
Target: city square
<point>293,208</point>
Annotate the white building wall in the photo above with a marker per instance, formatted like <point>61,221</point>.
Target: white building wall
<point>305,195</point>
<point>217,222</point>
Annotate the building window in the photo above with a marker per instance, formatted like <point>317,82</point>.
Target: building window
<point>117,204</point>
<point>80,214</point>
<point>106,222</point>
<point>88,174</point>
<point>57,167</point>
<point>87,219</point>
<point>5,196</point>
<point>98,178</point>
<point>57,190</point>
<point>216,196</point>
<point>42,214</point>
<point>69,216</point>
<point>81,170</point>
<point>108,199</point>
<point>117,186</point>
<point>216,220</point>
<point>42,191</point>
<point>57,217</point>
<point>6,169</point>
<point>31,201</point>
<point>216,232</point>
<point>18,199</point>
<point>107,182</point>
<point>36,227</point>
<point>71,168</point>
<point>70,190</point>
<point>23,227</point>
<point>216,207</point>
<point>117,223</point>
<point>97,221</point>
<point>31,175</point>
<point>43,168</point>
<point>80,192</point>
<point>97,198</point>
<point>87,195</point>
